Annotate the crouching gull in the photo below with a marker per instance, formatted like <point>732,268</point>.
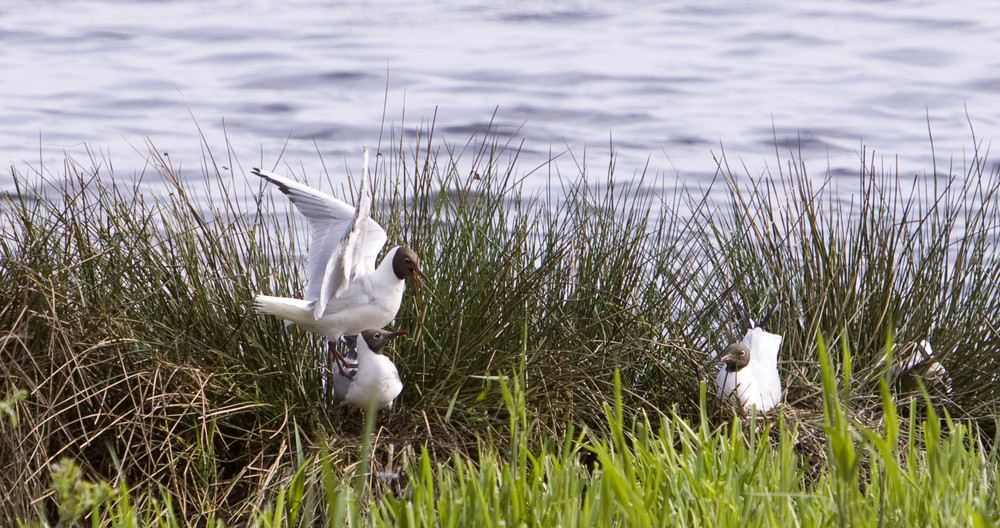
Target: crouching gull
<point>749,370</point>
<point>375,383</point>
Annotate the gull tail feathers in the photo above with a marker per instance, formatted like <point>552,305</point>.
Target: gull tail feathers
<point>294,310</point>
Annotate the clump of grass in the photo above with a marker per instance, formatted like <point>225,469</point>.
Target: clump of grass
<point>897,261</point>
<point>129,323</point>
<point>571,287</point>
<point>8,405</point>
<point>683,474</point>
<point>662,470</point>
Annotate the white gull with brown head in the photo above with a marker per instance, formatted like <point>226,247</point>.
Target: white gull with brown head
<point>375,384</point>
<point>346,293</point>
<point>749,369</point>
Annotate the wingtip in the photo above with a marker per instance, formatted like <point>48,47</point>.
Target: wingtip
<point>273,179</point>
<point>261,174</point>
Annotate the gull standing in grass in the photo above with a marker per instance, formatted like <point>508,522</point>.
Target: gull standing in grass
<point>345,292</point>
<point>376,381</point>
<point>750,369</point>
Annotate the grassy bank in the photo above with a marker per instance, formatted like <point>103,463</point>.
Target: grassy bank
<point>914,470</point>
<point>128,321</point>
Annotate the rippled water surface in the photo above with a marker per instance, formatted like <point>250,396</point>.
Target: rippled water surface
<point>671,83</point>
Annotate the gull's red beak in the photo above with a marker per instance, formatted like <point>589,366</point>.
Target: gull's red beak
<point>416,275</point>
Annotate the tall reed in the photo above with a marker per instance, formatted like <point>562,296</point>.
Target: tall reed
<point>128,319</point>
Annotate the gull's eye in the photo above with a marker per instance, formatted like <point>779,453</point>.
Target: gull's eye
<point>743,352</point>
<point>377,335</point>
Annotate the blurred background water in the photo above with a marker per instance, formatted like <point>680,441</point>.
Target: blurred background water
<point>670,85</point>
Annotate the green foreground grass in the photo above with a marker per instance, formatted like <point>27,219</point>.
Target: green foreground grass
<point>554,362</point>
<point>640,474</point>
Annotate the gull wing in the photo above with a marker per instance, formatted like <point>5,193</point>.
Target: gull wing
<point>366,251</point>
<point>331,220</point>
<point>348,260</point>
<point>355,255</point>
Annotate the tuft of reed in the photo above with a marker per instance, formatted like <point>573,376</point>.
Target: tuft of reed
<point>564,289</point>
<point>881,269</point>
<point>128,321</point>
<point>640,471</point>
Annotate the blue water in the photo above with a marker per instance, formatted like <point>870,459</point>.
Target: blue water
<point>671,85</point>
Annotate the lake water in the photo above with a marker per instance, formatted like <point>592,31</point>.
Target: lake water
<point>670,84</point>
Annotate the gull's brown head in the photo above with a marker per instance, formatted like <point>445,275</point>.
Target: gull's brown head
<point>376,339</point>
<point>736,357</point>
<point>406,265</point>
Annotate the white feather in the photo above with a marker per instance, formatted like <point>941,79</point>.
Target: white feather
<point>370,302</point>
<point>923,354</point>
<point>348,262</point>
<point>338,230</point>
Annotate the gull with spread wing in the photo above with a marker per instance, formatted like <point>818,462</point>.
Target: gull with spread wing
<point>346,293</point>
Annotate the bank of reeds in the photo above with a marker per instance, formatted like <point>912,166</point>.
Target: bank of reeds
<point>915,469</point>
<point>127,318</point>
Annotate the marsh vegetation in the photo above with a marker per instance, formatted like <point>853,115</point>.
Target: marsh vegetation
<point>554,365</point>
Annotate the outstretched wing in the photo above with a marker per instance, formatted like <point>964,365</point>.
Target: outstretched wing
<point>347,261</point>
<point>367,236</point>
<point>331,221</point>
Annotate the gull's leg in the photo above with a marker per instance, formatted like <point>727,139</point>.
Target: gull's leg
<point>351,342</point>
<point>342,364</point>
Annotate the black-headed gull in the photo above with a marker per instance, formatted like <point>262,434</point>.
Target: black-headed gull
<point>345,292</point>
<point>376,381</point>
<point>750,369</point>
<point>922,363</point>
